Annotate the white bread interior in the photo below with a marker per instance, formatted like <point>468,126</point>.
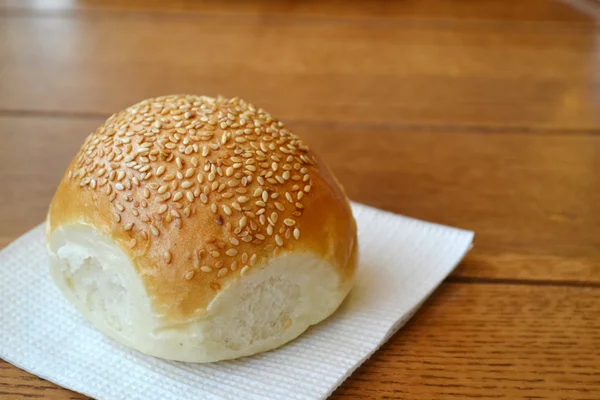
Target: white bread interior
<point>272,305</point>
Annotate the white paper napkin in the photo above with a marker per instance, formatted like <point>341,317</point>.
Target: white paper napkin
<point>402,261</point>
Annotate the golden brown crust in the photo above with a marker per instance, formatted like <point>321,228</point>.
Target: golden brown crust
<point>197,191</point>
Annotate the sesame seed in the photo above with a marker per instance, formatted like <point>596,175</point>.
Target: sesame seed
<point>167,256</point>
<point>278,240</point>
<point>162,189</point>
<point>253,260</point>
<point>189,275</point>
<point>119,186</point>
<point>186,184</point>
<point>189,195</point>
<point>160,170</point>
<point>244,257</point>
<point>244,270</point>
<point>205,268</point>
<point>163,208</point>
<point>190,172</point>
<point>222,272</point>
<point>231,252</point>
<point>226,209</point>
<point>243,221</point>
<point>165,197</point>
<point>154,230</point>
<point>279,206</point>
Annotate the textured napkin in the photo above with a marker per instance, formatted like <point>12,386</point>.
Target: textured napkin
<point>402,260</point>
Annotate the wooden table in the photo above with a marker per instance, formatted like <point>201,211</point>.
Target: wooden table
<point>479,114</point>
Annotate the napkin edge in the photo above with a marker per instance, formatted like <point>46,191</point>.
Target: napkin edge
<point>414,309</point>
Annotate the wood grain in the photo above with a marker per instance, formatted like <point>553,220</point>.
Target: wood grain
<point>480,114</point>
<point>490,342</point>
<point>500,74</point>
<point>382,11</point>
<point>468,341</point>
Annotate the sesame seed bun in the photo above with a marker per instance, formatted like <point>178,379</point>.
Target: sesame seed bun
<point>200,229</point>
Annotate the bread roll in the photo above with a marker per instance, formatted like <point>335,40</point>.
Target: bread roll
<point>200,229</point>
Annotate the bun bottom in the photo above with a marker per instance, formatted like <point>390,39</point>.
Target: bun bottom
<point>273,303</point>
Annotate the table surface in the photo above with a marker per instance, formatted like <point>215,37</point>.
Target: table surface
<point>479,114</point>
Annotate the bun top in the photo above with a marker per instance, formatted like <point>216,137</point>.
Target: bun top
<point>198,191</point>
